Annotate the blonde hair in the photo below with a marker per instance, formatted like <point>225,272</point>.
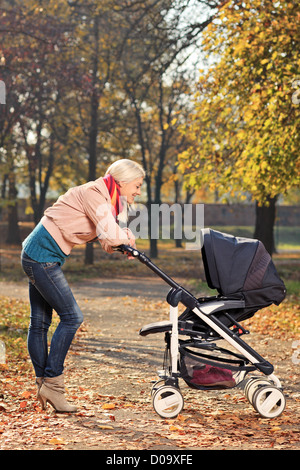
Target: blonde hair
<point>125,171</point>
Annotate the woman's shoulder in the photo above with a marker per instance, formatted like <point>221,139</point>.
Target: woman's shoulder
<point>96,186</point>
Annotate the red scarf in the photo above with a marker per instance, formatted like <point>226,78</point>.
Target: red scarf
<point>115,193</point>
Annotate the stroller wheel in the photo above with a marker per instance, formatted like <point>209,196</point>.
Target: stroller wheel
<point>252,385</point>
<point>167,401</point>
<point>156,386</point>
<point>269,401</point>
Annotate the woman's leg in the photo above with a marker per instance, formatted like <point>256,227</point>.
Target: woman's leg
<point>40,320</point>
<point>59,295</point>
<point>51,287</point>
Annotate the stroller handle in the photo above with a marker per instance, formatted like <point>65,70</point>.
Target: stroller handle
<point>145,260</point>
<point>177,293</point>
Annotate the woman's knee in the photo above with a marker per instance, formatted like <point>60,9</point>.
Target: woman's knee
<point>73,319</point>
<point>79,318</point>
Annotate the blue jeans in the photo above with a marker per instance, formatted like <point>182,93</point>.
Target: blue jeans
<point>48,290</point>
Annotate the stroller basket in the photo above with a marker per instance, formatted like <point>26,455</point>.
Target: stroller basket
<point>210,372</point>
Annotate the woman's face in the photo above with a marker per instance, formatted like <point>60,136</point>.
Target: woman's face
<point>131,190</point>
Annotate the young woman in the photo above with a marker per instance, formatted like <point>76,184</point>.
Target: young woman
<point>82,214</point>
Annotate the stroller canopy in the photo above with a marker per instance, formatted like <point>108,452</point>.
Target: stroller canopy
<point>241,268</point>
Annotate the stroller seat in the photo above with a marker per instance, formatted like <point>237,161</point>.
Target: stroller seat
<point>191,325</point>
<point>157,327</point>
<point>186,327</point>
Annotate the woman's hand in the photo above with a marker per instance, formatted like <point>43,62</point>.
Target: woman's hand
<point>131,239</point>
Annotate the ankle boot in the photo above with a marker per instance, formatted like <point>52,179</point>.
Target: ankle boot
<point>39,382</point>
<point>53,391</point>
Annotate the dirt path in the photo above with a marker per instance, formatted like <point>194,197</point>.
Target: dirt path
<point>109,372</point>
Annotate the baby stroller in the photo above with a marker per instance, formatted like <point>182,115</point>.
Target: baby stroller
<point>242,272</point>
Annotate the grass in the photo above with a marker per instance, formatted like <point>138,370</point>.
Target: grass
<point>177,262</point>
<point>14,321</point>
<point>286,238</point>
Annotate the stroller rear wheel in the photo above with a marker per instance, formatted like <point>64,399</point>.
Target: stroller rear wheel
<point>252,385</point>
<point>167,401</point>
<point>156,386</point>
<point>269,401</point>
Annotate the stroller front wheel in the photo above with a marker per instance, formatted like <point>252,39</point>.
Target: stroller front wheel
<point>269,401</point>
<point>167,401</point>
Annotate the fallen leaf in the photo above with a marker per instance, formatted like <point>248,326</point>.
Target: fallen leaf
<point>57,441</point>
<point>181,418</point>
<point>275,428</point>
<point>108,406</point>
<point>176,428</point>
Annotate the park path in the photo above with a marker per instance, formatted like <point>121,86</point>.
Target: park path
<point>109,372</point>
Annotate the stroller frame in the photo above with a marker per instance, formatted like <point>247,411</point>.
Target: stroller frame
<point>264,392</point>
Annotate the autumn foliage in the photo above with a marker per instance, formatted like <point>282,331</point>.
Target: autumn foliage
<point>244,127</point>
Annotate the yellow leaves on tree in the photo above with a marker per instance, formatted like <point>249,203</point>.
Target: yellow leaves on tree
<point>244,127</point>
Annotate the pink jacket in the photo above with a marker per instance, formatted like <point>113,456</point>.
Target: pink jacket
<point>82,214</point>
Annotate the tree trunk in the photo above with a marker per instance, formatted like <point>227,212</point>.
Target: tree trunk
<point>89,250</point>
<point>13,234</point>
<point>153,245</point>
<point>264,224</point>
<point>45,185</point>
<point>152,241</point>
<point>178,241</point>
